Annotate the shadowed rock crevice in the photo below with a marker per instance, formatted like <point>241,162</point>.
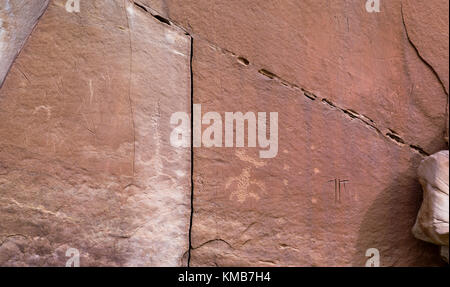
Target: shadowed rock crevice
<point>86,162</point>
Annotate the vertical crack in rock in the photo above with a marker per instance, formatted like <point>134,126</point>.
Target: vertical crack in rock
<point>425,61</point>
<point>129,90</point>
<point>192,151</point>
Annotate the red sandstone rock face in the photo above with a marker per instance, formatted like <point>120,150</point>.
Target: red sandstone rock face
<point>428,31</point>
<point>378,100</point>
<point>85,160</point>
<point>432,221</point>
<point>358,60</point>
<point>17,19</point>
<point>283,211</point>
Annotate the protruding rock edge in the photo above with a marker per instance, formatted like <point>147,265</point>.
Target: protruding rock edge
<point>428,64</point>
<point>2,81</point>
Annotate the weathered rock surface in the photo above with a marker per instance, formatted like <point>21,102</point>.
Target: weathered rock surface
<point>432,220</point>
<point>283,211</point>
<point>444,253</point>
<point>428,32</point>
<point>379,104</point>
<point>85,159</point>
<point>17,20</point>
<point>360,61</point>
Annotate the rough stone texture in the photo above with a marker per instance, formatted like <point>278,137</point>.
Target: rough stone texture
<point>432,220</point>
<point>17,20</point>
<point>363,63</point>
<point>389,103</point>
<point>444,253</point>
<point>428,31</point>
<point>282,211</point>
<point>360,97</point>
<point>85,159</point>
<point>358,60</point>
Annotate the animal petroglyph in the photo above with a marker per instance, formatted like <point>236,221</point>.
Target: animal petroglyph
<point>244,182</point>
